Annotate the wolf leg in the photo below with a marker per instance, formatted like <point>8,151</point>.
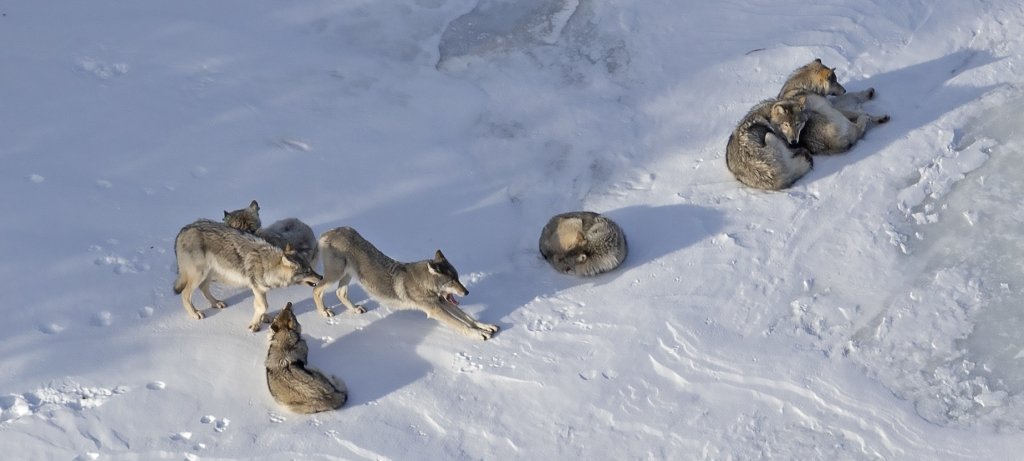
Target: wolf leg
<point>204,287</point>
<point>851,99</point>
<point>343,296</point>
<point>259,306</point>
<point>443,315</point>
<point>186,299</point>
<point>462,316</point>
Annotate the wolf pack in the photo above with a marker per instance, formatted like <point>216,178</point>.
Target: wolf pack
<point>771,148</point>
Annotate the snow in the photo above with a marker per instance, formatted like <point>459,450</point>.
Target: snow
<point>872,311</point>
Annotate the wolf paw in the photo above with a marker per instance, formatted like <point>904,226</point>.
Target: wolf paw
<point>198,315</point>
<point>219,305</point>
<point>358,310</point>
<point>255,327</point>
<point>327,312</point>
<point>871,93</point>
<point>882,119</point>
<point>488,327</point>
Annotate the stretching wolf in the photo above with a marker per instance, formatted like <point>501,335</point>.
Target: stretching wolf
<point>208,251</point>
<point>762,151</point>
<point>582,243</point>
<point>292,383</point>
<point>430,285</point>
<point>833,126</point>
<point>288,231</point>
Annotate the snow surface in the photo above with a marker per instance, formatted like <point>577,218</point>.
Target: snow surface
<point>872,311</point>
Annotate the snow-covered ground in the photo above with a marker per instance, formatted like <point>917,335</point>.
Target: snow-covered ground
<point>872,311</point>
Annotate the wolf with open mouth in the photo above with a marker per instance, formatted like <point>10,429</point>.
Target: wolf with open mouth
<point>430,285</point>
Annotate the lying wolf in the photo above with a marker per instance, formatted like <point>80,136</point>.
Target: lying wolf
<point>292,383</point>
<point>582,243</point>
<point>288,231</point>
<point>763,150</point>
<point>833,125</point>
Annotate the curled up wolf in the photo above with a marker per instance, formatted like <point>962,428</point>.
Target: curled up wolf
<point>763,151</point>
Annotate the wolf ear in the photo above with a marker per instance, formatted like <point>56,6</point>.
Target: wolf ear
<point>817,60</point>
<point>288,305</point>
<point>226,214</point>
<point>438,256</point>
<point>779,110</point>
<point>431,268</point>
<point>255,205</point>
<point>288,248</point>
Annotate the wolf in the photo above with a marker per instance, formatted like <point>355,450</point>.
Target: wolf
<point>208,251</point>
<point>292,383</point>
<point>833,125</point>
<point>763,150</point>
<point>583,243</point>
<point>288,231</point>
<point>429,285</point>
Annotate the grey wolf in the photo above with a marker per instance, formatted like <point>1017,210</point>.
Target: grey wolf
<point>292,383</point>
<point>288,231</point>
<point>833,126</point>
<point>429,285</point>
<point>763,150</point>
<point>209,251</point>
<point>582,243</point>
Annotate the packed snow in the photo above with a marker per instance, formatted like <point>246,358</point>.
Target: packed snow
<point>871,311</point>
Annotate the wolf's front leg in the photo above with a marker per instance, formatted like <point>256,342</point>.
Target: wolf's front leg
<point>259,306</point>
<point>467,319</point>
<point>446,316</point>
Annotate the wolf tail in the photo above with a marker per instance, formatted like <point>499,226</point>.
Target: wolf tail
<point>179,285</point>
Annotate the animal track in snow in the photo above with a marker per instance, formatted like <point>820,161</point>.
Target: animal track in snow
<point>219,425</point>
<point>101,319</point>
<point>276,418</point>
<point>67,395</point>
<point>103,70</point>
<point>156,386</point>
<point>51,328</point>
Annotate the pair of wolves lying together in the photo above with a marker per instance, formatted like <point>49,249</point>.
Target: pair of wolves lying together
<point>772,146</point>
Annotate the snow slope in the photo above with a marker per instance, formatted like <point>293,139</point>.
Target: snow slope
<point>872,311</point>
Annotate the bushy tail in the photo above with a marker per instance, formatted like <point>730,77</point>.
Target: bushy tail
<point>179,285</point>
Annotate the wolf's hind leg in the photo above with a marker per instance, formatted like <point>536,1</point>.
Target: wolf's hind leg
<point>204,287</point>
<point>342,293</point>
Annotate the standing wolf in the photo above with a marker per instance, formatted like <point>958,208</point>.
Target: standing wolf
<point>209,251</point>
<point>582,243</point>
<point>762,151</point>
<point>833,126</point>
<point>429,285</point>
<point>293,384</point>
<point>288,231</point>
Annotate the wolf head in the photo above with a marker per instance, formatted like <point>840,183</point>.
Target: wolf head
<point>788,118</point>
<point>299,267</point>
<point>286,321</point>
<point>812,78</point>
<point>570,260</point>
<point>446,278</point>
<point>245,219</point>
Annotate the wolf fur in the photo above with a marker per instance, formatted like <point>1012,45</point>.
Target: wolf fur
<point>429,285</point>
<point>208,251</point>
<point>288,231</point>
<point>293,384</point>
<point>833,125</point>
<point>762,151</point>
<point>582,243</point>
